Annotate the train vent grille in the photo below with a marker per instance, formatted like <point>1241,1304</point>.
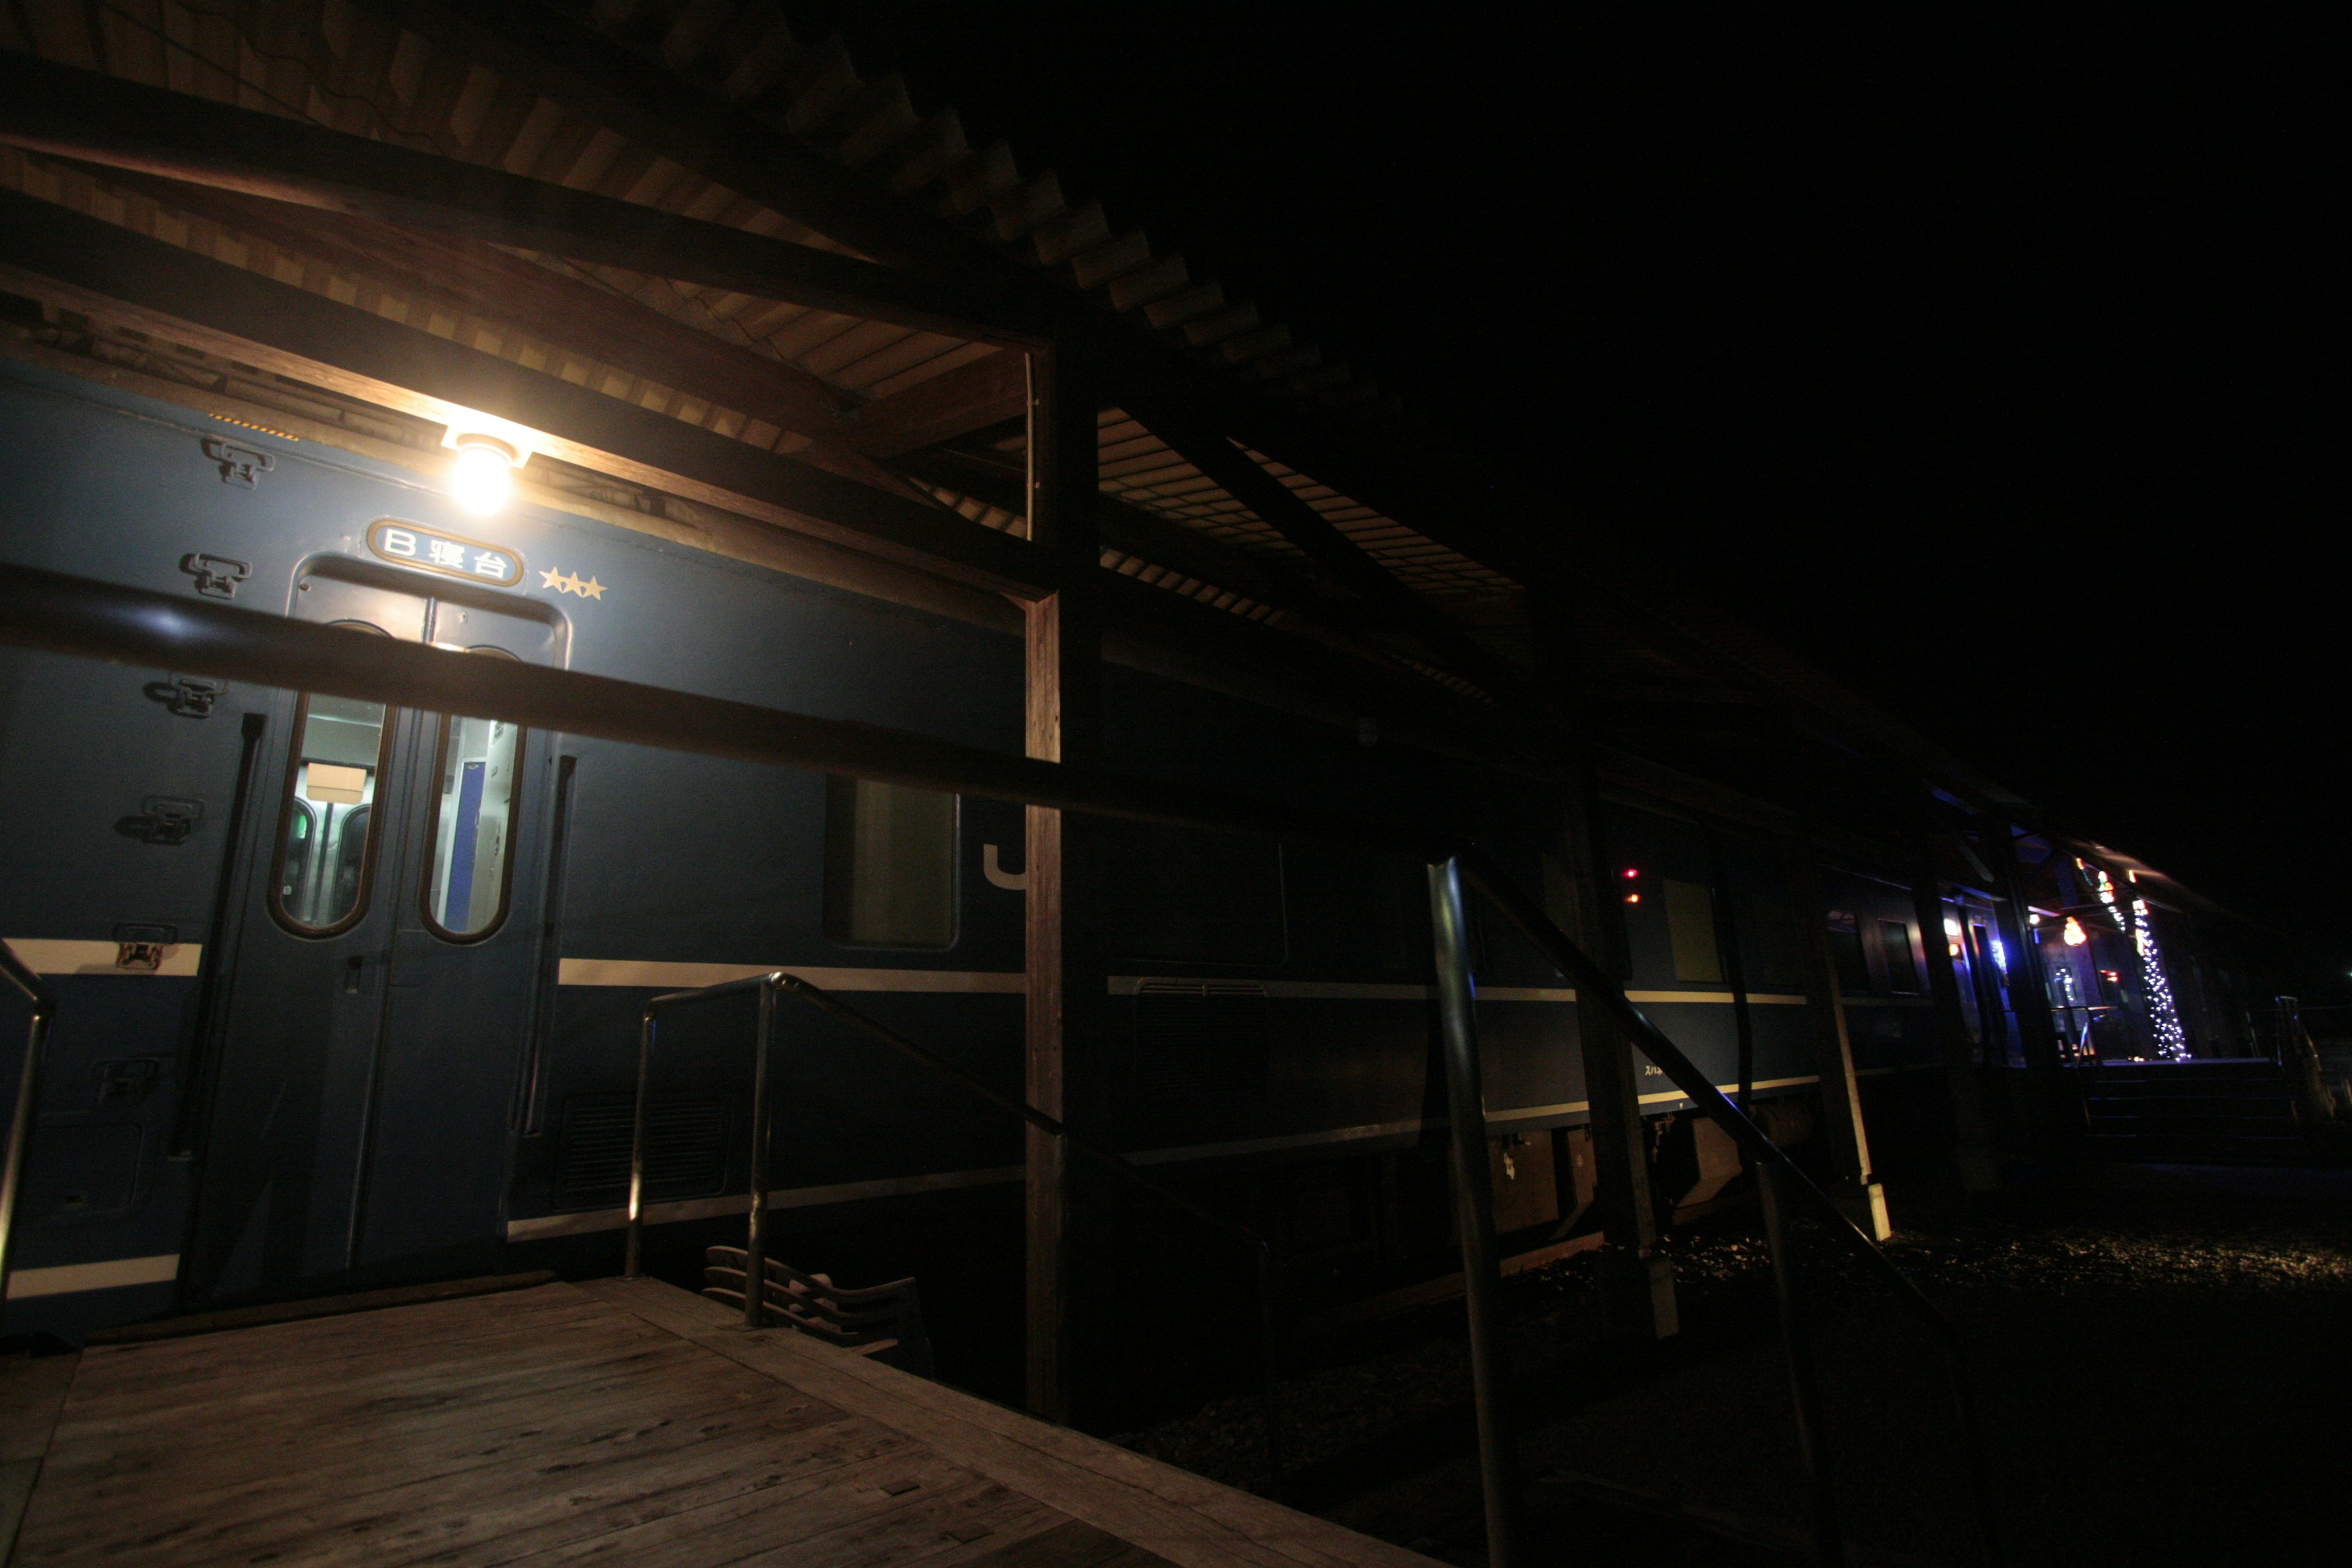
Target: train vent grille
<point>685,1149</point>
<point>1201,1037</point>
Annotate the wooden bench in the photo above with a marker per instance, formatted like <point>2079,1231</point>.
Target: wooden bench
<point>883,1321</point>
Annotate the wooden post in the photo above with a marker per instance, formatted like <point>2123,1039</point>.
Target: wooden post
<point>1064,712</point>
<point>1972,1151</point>
<point>1856,1184</point>
<point>1637,1283</point>
<point>2029,990</point>
<point>1735,970</point>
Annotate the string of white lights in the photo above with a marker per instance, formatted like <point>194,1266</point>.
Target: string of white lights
<point>2170,1041</point>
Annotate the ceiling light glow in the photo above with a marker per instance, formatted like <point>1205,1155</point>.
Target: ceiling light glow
<point>483,476</point>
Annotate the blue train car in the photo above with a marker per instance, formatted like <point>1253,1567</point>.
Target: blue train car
<point>350,995</point>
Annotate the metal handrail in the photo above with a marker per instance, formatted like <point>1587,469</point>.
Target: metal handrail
<point>20,974</point>
<point>72,615</point>
<point>768,987</point>
<point>1774,1168</point>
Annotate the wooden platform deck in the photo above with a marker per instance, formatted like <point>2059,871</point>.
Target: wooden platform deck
<point>625,1423</point>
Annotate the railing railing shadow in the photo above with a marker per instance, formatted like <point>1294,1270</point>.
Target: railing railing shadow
<point>768,987</point>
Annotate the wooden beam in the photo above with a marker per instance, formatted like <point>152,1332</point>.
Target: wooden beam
<point>603,79</point>
<point>80,263</point>
<point>96,119</point>
<point>1635,1277</point>
<point>1853,1182</point>
<point>1064,712</point>
<point>1241,476</point>
<point>1309,610</point>
<point>971,397</point>
<point>467,277</point>
<point>1125,527</point>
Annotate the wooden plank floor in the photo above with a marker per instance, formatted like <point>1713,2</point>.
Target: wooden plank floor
<point>623,1423</point>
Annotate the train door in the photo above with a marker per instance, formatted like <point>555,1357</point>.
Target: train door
<point>1989,964</point>
<point>382,987</point>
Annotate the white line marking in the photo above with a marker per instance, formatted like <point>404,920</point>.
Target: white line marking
<point>1755,998</point>
<point>546,1226</point>
<point>73,1278</point>
<point>46,955</point>
<point>648,975</point>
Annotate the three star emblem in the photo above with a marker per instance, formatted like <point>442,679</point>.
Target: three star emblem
<point>565,584</point>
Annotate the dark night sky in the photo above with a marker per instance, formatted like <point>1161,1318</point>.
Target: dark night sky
<point>1991,365</point>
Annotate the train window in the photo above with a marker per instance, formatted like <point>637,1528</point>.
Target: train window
<point>326,833</point>
<point>1780,960</point>
<point>889,864</point>
<point>1182,896</point>
<point>1690,927</point>
<point>473,827</point>
<point>1902,968</point>
<point>1844,933</point>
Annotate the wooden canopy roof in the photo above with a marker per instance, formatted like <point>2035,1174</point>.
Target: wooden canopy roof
<point>872,408</point>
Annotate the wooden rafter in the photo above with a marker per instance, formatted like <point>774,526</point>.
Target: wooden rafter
<point>96,119</point>
<point>602,78</point>
<point>971,397</point>
<point>466,276</point>
<point>81,263</point>
<point>1239,474</point>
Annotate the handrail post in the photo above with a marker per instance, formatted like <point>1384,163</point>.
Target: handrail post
<point>755,1240</point>
<point>1804,1377</point>
<point>28,1091</point>
<point>1474,1208</point>
<point>632,1263</point>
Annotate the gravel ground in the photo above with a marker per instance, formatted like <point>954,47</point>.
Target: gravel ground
<point>2158,1351</point>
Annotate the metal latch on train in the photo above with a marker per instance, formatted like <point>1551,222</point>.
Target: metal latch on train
<point>162,819</point>
<point>239,465</point>
<point>187,695</point>
<point>127,1078</point>
<point>217,576</point>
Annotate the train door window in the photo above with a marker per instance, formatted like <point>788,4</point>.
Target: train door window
<point>1968,982</point>
<point>1844,931</point>
<point>889,864</point>
<point>1901,967</point>
<point>1779,959</point>
<point>326,836</point>
<point>1690,928</point>
<point>1181,896</point>
<point>473,827</point>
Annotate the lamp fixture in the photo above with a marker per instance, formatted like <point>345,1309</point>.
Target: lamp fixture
<point>481,478</point>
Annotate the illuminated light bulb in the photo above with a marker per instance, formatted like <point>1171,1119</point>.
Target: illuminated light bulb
<point>1632,897</point>
<point>1954,947</point>
<point>1951,927</point>
<point>2074,934</point>
<point>2033,920</point>
<point>482,478</point>
<point>1631,873</point>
